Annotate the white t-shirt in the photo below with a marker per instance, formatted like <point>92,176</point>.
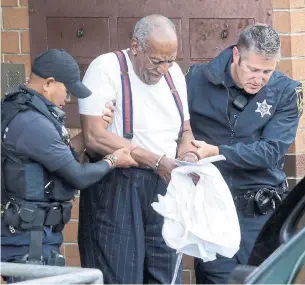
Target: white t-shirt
<point>156,119</point>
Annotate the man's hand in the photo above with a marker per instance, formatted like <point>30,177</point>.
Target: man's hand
<point>166,167</point>
<point>109,113</point>
<point>124,157</point>
<point>205,149</point>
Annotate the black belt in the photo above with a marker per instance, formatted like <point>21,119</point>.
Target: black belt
<point>22,214</point>
<point>25,215</point>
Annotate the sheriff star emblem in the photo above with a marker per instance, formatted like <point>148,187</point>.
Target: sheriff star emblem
<point>263,108</point>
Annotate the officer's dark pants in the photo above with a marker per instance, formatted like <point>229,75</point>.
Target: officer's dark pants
<point>121,234</point>
<point>219,270</point>
<point>15,246</point>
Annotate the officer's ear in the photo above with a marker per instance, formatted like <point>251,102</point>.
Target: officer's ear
<point>48,82</point>
<point>236,55</point>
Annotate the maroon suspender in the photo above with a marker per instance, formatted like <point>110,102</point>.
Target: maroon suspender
<point>177,99</point>
<point>127,98</point>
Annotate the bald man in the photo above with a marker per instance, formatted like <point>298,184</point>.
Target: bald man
<point>119,232</point>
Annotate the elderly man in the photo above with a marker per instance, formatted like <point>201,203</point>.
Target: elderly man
<point>242,108</point>
<point>119,232</point>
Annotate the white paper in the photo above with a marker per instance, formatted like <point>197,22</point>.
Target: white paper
<point>200,220</point>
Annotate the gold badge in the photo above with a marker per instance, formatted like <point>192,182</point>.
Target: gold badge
<point>299,92</point>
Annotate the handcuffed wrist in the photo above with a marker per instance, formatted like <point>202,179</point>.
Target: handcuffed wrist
<point>182,155</point>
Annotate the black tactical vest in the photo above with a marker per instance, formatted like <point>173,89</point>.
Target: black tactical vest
<point>22,178</point>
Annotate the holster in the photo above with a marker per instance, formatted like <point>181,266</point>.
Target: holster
<point>259,202</point>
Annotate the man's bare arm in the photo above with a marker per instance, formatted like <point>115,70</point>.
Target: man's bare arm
<point>99,140</point>
<point>77,143</point>
<point>186,140</point>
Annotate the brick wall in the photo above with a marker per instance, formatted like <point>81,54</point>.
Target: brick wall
<point>15,40</point>
<point>289,20</point>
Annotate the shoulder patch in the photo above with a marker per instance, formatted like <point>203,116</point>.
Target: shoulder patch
<point>299,93</point>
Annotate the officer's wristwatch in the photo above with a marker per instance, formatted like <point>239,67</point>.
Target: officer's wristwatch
<point>113,160</point>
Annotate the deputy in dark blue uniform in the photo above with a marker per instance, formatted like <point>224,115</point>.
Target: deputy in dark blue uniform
<point>40,171</point>
<point>242,108</point>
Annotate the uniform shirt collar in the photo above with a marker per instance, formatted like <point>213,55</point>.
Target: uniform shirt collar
<point>228,77</point>
<point>32,91</point>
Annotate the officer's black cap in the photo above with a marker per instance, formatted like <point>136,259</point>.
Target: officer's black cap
<point>59,64</point>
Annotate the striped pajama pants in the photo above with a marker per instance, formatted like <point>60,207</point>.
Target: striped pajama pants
<point>120,233</point>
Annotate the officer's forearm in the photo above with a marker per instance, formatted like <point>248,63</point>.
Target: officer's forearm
<point>258,155</point>
<point>83,175</point>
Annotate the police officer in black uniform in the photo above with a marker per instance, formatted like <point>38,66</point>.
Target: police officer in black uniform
<point>39,168</point>
<point>242,108</point>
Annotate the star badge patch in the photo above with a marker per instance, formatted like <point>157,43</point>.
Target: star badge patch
<point>263,108</point>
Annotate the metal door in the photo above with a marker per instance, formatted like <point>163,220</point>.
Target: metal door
<point>88,28</point>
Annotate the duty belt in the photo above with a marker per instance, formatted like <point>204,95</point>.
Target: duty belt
<point>28,216</point>
<point>259,201</point>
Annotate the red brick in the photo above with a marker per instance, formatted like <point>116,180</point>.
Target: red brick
<point>298,66</point>
<point>25,42</point>
<point>72,255</point>
<point>70,231</point>
<point>294,68</point>
<point>300,165</point>
<point>186,277</point>
<point>9,3</point>
<point>284,4</point>
<point>75,208</point>
<point>9,42</point>
<point>62,249</point>
<point>188,262</point>
<point>193,277</point>
<point>15,18</point>
<point>299,143</point>
<point>285,66</point>
<point>293,45</point>
<point>281,21</point>
<point>289,21</point>
<point>26,59</point>
<point>24,2</point>
<point>298,21</point>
